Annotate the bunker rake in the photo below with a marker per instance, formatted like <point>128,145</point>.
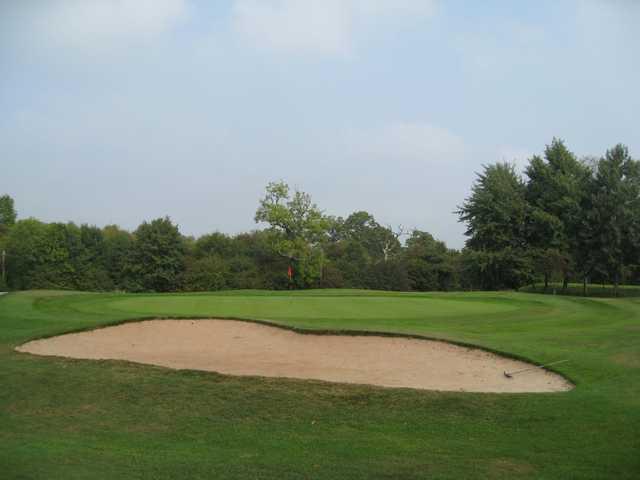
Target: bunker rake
<point>511,374</point>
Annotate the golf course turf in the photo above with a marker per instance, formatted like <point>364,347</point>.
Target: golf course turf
<point>67,419</point>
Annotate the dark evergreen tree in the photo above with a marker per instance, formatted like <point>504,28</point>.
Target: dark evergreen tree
<point>612,217</point>
<point>495,214</point>
<point>554,194</point>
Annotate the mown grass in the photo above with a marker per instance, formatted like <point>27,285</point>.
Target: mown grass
<point>66,419</point>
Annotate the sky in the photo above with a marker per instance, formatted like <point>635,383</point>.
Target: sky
<point>119,111</point>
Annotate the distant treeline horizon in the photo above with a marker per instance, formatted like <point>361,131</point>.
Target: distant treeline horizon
<point>570,220</point>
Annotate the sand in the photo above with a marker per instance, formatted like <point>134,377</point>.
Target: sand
<point>244,348</point>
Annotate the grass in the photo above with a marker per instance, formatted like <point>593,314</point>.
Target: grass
<point>74,419</point>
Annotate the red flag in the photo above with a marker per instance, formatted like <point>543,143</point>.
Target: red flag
<point>290,272</point>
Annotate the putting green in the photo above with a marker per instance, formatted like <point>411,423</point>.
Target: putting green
<point>339,307</point>
<point>325,309</point>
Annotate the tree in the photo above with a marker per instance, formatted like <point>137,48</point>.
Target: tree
<point>157,257</point>
<point>206,274</point>
<point>554,194</point>
<point>380,243</point>
<point>214,244</point>
<point>41,255</point>
<point>430,264</point>
<point>8,213</point>
<point>298,229</point>
<point>613,214</point>
<point>26,247</point>
<point>90,260</point>
<point>496,210</point>
<point>495,214</point>
<point>118,244</point>
<point>543,234</point>
<point>358,244</point>
<point>7,219</point>
<point>347,262</point>
<point>388,275</point>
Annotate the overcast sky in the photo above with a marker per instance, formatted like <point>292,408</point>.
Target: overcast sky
<point>117,111</point>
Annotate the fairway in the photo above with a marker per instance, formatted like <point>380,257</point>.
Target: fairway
<point>64,418</point>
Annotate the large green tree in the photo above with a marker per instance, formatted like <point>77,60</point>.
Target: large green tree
<point>430,264</point>
<point>613,214</point>
<point>380,242</point>
<point>8,213</point>
<point>91,261</point>
<point>26,250</point>
<point>358,248</point>
<point>299,229</point>
<point>55,255</point>
<point>205,274</point>
<point>554,194</point>
<point>7,219</point>
<point>495,214</point>
<point>347,262</point>
<point>157,257</point>
<point>118,245</point>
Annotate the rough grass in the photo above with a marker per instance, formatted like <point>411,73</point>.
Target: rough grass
<point>71,419</point>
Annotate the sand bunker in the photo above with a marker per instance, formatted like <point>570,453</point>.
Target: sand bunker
<point>245,348</point>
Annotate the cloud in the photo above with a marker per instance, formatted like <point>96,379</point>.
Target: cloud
<point>324,27</point>
<point>419,8</point>
<point>291,25</point>
<point>608,30</point>
<point>498,51</point>
<point>419,144</point>
<point>91,25</point>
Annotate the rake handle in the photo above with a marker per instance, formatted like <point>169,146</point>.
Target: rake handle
<point>508,374</point>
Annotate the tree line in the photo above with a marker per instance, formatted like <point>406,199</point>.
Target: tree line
<point>569,220</point>
<point>301,248</point>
